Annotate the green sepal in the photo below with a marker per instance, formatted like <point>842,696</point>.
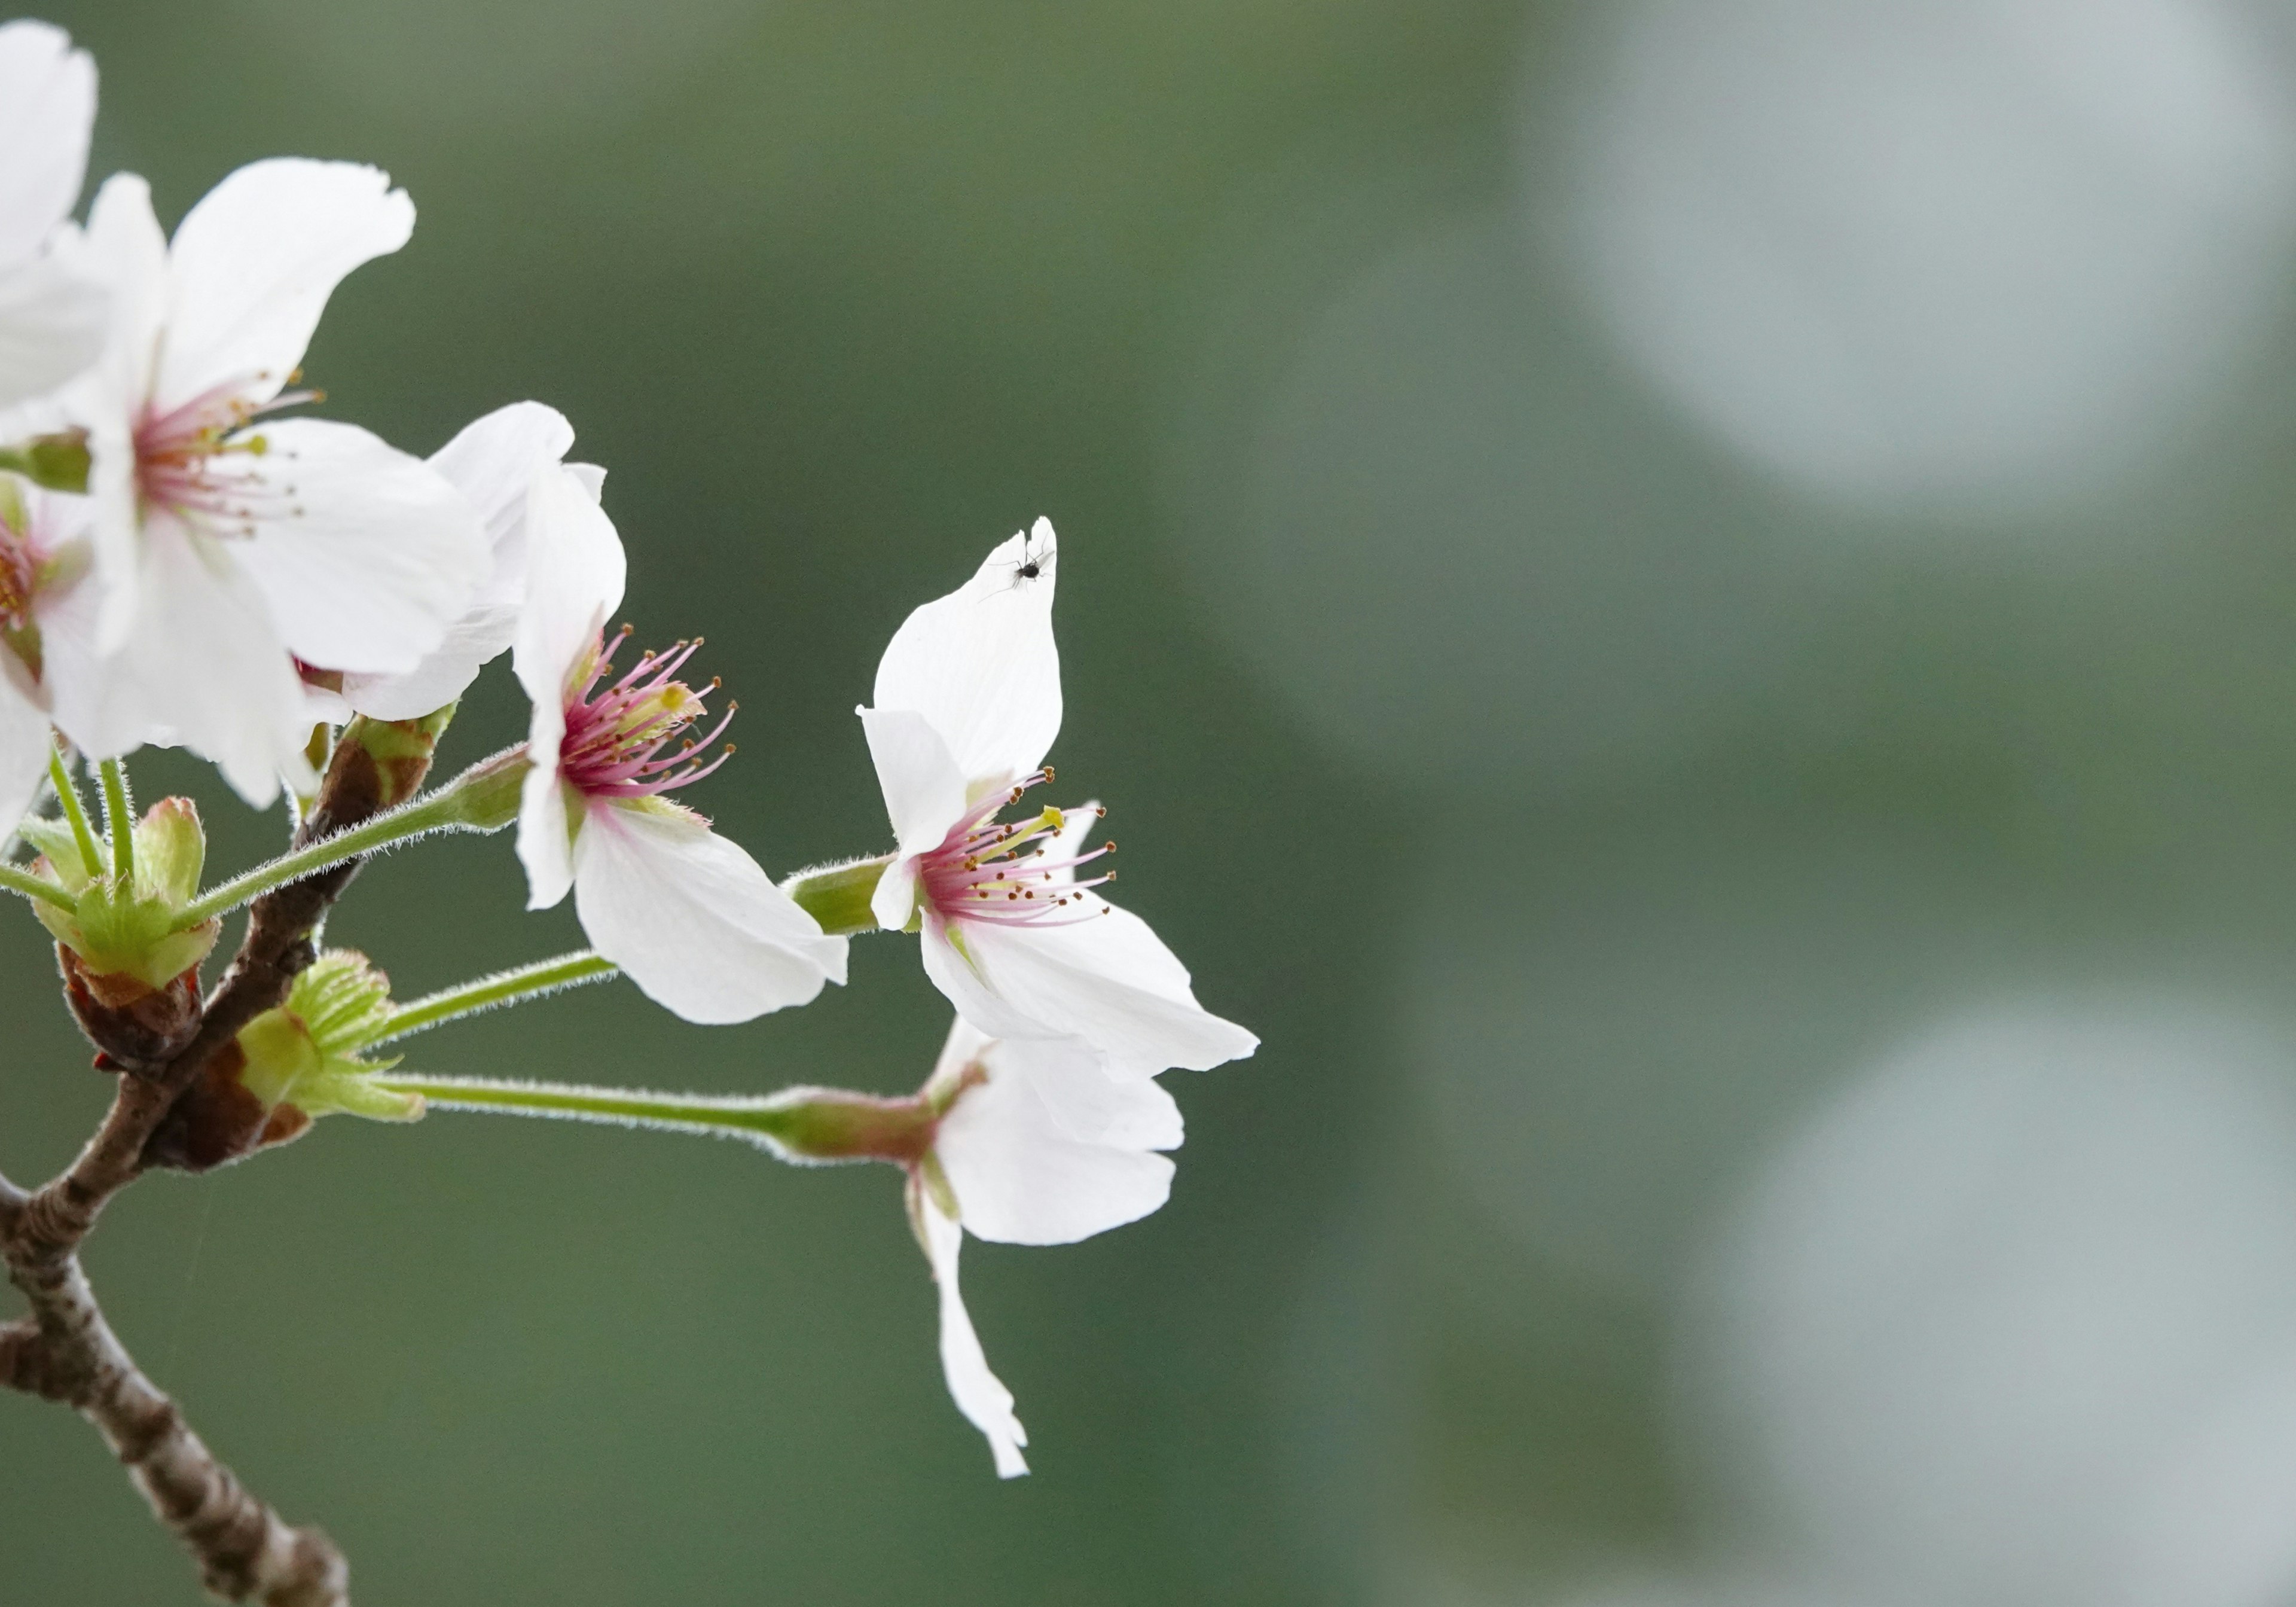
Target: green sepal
<point>937,1186</point>
<point>171,849</point>
<point>837,896</point>
<point>56,844</point>
<point>486,797</point>
<point>132,931</point>
<point>305,1053</point>
<point>831,1123</point>
<point>58,462</point>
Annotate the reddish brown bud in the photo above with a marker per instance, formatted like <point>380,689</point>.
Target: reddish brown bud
<point>132,1025</point>
<point>215,1120</point>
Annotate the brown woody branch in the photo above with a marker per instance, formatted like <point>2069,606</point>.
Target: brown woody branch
<point>65,1351</point>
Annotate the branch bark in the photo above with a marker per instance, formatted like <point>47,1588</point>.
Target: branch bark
<point>66,1351</point>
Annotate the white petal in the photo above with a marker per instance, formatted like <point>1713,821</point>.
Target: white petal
<point>201,669</point>
<point>115,538</point>
<point>980,666</point>
<point>1103,1108</point>
<point>924,798</point>
<point>472,642</point>
<point>492,463</point>
<point>576,571</point>
<point>947,950</point>
<point>1021,1173</point>
<point>1105,978</point>
<point>689,916</point>
<point>71,669</point>
<point>24,740</point>
<point>366,553</point>
<point>52,323</point>
<point>129,254</point>
<point>985,1401</point>
<point>1117,1107</point>
<point>894,899</point>
<point>544,822</point>
<point>47,107</point>
<point>255,261</point>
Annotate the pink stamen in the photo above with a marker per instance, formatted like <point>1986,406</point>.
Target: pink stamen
<point>20,575</point>
<point>615,737</point>
<point>978,874</point>
<point>192,461</point>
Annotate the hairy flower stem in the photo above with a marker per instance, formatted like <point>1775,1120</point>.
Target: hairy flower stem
<point>119,821</point>
<point>483,799</point>
<point>800,1124</point>
<point>733,1114</point>
<point>76,812</point>
<point>490,993</point>
<point>33,887</point>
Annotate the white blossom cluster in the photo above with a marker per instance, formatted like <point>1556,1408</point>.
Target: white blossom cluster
<point>231,574</point>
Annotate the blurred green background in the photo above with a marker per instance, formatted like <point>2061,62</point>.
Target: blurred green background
<point>1620,565</point>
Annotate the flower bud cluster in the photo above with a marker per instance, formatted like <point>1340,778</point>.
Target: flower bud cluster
<point>131,966</point>
<point>288,1067</point>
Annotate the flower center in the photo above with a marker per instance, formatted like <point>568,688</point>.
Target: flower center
<point>195,462</point>
<point>616,734</point>
<point>26,548</point>
<point>19,574</point>
<point>979,871</point>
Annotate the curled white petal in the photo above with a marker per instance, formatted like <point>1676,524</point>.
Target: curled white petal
<point>575,572</point>
<point>366,554</point>
<point>690,917</point>
<point>1105,978</point>
<point>1052,1145</point>
<point>444,675</point>
<point>978,1394</point>
<point>981,666</point>
<point>924,796</point>
<point>254,262</point>
<point>576,576</point>
<point>545,824</point>
<point>492,463</point>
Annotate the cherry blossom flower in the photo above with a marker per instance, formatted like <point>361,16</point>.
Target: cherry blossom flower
<point>967,703</point>
<point>226,551</point>
<point>685,913</point>
<point>492,463</point>
<point>52,311</point>
<point>1038,1141</point>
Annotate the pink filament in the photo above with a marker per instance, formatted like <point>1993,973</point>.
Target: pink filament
<point>186,462</point>
<point>976,873</point>
<point>614,738</point>
<point>20,575</point>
